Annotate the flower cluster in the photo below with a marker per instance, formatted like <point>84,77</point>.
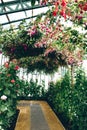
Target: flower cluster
<point>83,6</point>
<point>62,5</point>
<point>33,31</point>
<point>75,11</point>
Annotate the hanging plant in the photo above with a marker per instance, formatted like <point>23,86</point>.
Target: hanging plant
<point>46,43</point>
<point>20,43</point>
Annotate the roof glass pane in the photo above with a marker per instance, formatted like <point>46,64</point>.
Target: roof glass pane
<point>29,13</point>
<point>16,16</point>
<point>3,19</point>
<point>30,20</point>
<point>14,25</point>
<point>13,7</point>
<point>39,11</point>
<point>7,26</point>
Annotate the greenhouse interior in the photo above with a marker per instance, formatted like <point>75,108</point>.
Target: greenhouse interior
<point>43,64</point>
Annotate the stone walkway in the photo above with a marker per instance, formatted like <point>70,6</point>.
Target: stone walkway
<point>37,115</point>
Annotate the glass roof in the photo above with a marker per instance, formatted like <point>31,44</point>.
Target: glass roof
<point>12,12</point>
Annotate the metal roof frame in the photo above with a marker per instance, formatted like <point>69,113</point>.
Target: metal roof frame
<point>6,8</point>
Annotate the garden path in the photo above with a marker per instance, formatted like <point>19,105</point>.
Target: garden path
<point>37,115</point>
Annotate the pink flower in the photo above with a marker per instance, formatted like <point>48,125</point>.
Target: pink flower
<point>49,51</point>
<point>6,64</point>
<point>12,81</point>
<point>0,52</point>
<point>71,60</point>
<point>43,2</point>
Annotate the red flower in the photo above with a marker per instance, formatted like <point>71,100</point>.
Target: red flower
<point>85,7</point>
<point>63,3</point>
<point>62,13</point>
<point>56,3</point>
<point>54,13</point>
<point>16,67</point>
<point>12,81</point>
<point>80,6</point>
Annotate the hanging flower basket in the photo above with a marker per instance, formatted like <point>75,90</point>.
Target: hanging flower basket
<point>20,43</point>
<point>46,43</point>
<point>17,52</point>
<point>46,63</point>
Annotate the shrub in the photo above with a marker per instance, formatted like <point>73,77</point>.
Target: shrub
<point>30,90</point>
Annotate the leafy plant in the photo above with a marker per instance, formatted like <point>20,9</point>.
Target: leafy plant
<point>8,94</point>
<point>70,103</point>
<point>30,90</point>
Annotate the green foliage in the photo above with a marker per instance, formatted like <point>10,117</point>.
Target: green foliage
<point>8,94</point>
<point>70,103</point>
<point>36,91</point>
<point>40,63</point>
<point>11,89</point>
<point>80,97</point>
<point>30,90</point>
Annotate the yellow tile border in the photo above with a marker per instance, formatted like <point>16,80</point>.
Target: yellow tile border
<point>23,121</point>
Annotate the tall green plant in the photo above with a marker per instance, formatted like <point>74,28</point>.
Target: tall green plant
<point>80,100</point>
<point>70,103</point>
